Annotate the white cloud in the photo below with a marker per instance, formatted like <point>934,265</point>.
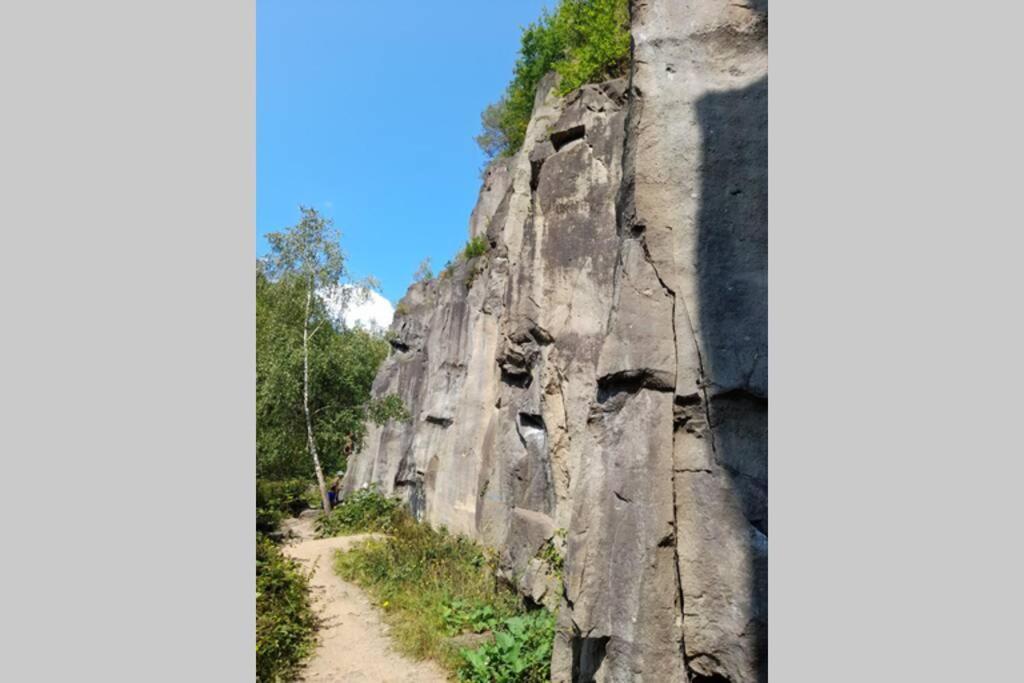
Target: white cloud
<point>372,312</point>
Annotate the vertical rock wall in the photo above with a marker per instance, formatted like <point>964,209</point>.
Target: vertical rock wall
<point>600,375</point>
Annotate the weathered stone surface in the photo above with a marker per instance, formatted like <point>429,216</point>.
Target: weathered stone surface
<point>697,163</point>
<point>621,588</point>
<point>500,374</point>
<point>601,373</point>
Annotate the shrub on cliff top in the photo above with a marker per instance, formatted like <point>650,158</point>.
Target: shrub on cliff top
<point>583,41</point>
<point>476,246</point>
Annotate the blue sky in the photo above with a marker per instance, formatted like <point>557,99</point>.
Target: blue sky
<point>367,112</point>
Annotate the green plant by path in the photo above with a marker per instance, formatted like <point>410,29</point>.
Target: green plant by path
<point>582,40</point>
<point>462,616</point>
<point>364,510</point>
<point>434,585</point>
<point>519,653</point>
<point>285,621</point>
<point>277,499</point>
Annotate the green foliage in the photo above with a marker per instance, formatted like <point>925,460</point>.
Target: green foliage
<point>342,366</point>
<point>309,250</point>
<point>390,407</point>
<point>492,139</point>
<point>476,246</point>
<point>285,621</point>
<point>305,260</point>
<point>461,616</point>
<point>583,41</point>
<point>551,554</point>
<point>268,519</point>
<point>519,653</point>
<point>361,511</point>
<point>278,499</point>
<point>312,496</point>
<point>596,38</point>
<point>308,257</point>
<point>432,585</point>
<point>288,495</point>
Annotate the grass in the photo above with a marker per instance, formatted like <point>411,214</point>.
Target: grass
<point>364,510</point>
<point>434,586</point>
<point>285,622</point>
<point>477,246</point>
<point>552,555</point>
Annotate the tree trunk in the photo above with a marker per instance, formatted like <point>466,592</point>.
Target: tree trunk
<point>311,442</point>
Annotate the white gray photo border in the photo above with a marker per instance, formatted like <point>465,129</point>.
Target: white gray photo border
<point>127,169</point>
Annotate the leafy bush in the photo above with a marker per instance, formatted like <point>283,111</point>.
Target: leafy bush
<point>583,41</point>
<point>432,586</point>
<point>278,499</point>
<point>268,519</point>
<point>389,407</point>
<point>596,38</point>
<point>493,139</point>
<point>476,246</point>
<point>362,510</point>
<point>519,653</point>
<point>460,616</point>
<point>285,621</point>
<point>551,555</point>
<point>312,497</point>
<point>286,495</point>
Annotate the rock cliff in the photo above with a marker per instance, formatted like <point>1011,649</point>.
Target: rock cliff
<point>597,380</point>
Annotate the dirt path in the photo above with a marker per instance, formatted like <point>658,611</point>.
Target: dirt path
<point>353,645</point>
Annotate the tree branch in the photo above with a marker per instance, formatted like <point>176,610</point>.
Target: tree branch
<point>318,326</point>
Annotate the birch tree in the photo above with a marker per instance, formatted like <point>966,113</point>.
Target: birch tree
<point>309,251</point>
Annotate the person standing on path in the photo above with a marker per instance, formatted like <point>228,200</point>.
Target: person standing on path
<point>332,493</point>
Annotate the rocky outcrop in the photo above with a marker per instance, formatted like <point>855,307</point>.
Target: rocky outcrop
<point>598,380</point>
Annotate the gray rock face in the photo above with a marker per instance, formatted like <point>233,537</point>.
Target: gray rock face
<point>601,373</point>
